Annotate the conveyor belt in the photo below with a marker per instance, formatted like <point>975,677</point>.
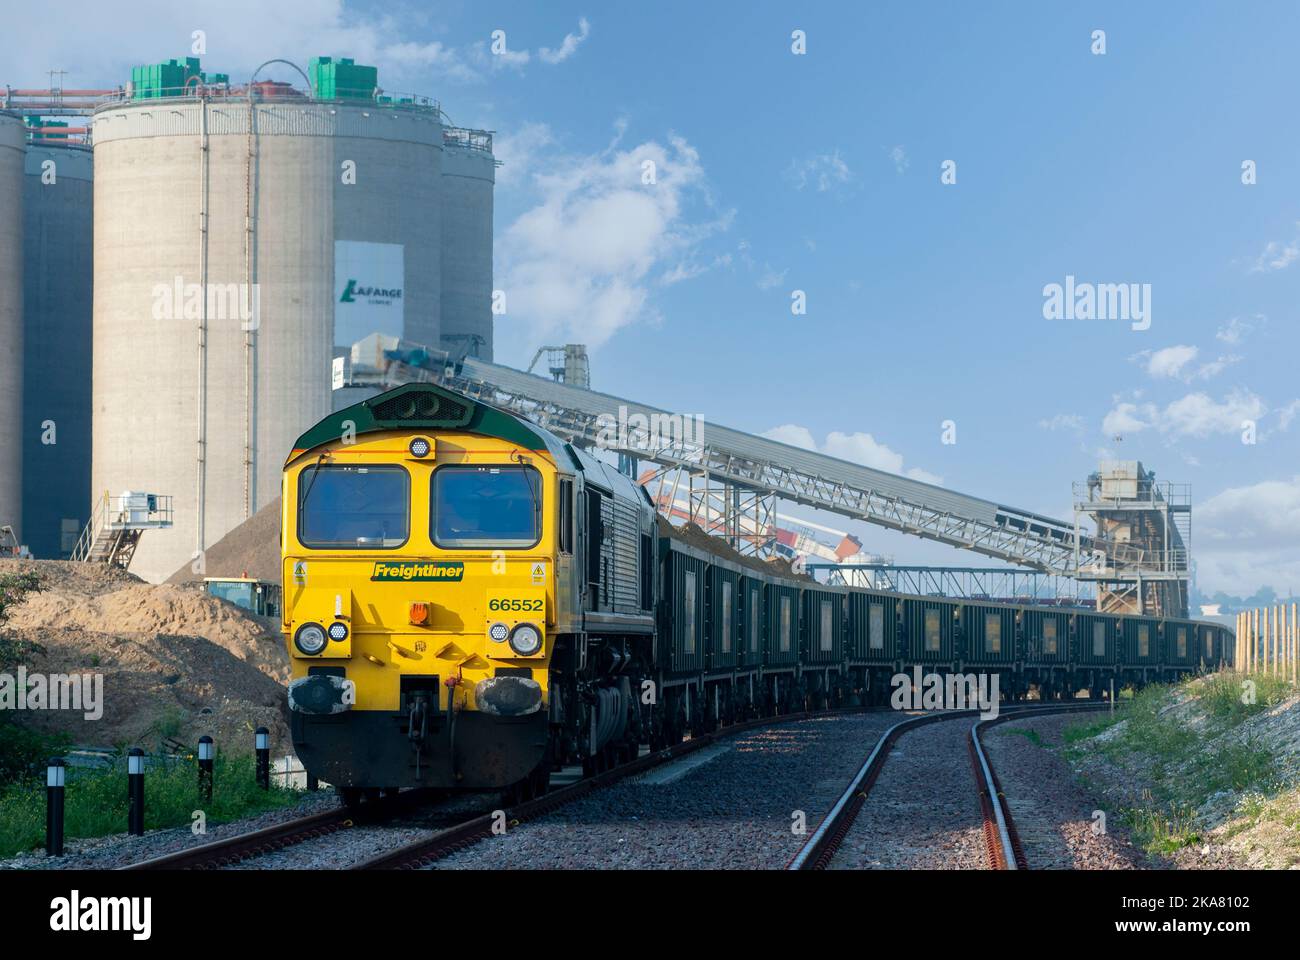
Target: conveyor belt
<point>791,473</point>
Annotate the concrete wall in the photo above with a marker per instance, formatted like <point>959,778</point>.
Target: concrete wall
<point>211,424</point>
<point>469,178</point>
<point>57,287</point>
<point>12,149</point>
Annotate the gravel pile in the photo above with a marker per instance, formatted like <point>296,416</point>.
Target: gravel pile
<point>924,811</point>
<point>176,662</point>
<point>252,549</point>
<point>1053,813</point>
<point>734,811</point>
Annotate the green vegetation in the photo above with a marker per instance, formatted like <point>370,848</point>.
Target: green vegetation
<point>95,800</point>
<point>1030,735</point>
<point>1177,735</point>
<point>21,749</point>
<point>1222,695</point>
<point>1160,829</point>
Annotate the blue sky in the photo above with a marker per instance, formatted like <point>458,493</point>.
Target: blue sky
<point>821,172</point>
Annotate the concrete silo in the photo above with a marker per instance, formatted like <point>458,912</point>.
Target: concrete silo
<point>12,147</point>
<point>234,232</point>
<point>57,287</point>
<point>468,180</point>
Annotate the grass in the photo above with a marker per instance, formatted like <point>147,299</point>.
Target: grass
<point>1188,763</point>
<point>95,800</point>
<point>1163,830</point>
<point>1224,695</point>
<point>1030,735</point>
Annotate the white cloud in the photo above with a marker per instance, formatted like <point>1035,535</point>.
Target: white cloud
<point>899,156</point>
<point>579,263</point>
<point>860,448</point>
<point>1198,415</point>
<point>1170,361</point>
<point>825,171</point>
<point>771,277</point>
<point>1193,415</point>
<point>1277,255</point>
<point>490,54</point>
<point>568,47</point>
<point>1127,418</point>
<point>518,151</point>
<point>1178,362</point>
<point>1064,421</point>
<point>1248,537</point>
<point>1286,414</point>
<point>1237,329</point>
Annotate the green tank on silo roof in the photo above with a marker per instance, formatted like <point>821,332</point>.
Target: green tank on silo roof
<point>342,79</point>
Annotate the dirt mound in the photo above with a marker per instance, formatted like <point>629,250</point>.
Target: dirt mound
<point>252,549</point>
<point>695,536</point>
<point>176,662</point>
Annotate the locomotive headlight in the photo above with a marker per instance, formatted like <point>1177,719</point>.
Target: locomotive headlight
<point>419,447</point>
<point>498,632</point>
<point>525,640</point>
<point>310,639</point>
<point>338,630</point>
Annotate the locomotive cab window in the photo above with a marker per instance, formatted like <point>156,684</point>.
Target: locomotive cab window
<point>499,507</point>
<point>565,532</point>
<point>353,507</point>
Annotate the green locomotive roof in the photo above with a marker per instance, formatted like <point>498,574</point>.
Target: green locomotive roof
<point>416,407</point>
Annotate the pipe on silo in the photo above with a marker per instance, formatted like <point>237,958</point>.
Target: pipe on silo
<point>200,466</point>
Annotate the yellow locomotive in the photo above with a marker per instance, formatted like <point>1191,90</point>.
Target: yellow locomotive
<point>470,601</point>
<point>431,587</point>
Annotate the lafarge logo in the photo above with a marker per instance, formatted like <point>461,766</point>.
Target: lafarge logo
<point>76,913</point>
<point>352,292</point>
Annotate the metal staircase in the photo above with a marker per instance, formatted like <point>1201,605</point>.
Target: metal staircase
<point>116,525</point>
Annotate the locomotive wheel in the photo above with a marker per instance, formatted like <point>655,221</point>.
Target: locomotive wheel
<point>351,798</point>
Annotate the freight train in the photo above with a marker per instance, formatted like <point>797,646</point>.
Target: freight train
<point>471,602</point>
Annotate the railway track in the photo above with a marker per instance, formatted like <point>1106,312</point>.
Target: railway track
<point>428,850</point>
<point>228,851</point>
<point>1000,838</point>
<point>1001,841</point>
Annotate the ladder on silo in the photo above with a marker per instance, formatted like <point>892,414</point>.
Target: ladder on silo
<point>116,525</point>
